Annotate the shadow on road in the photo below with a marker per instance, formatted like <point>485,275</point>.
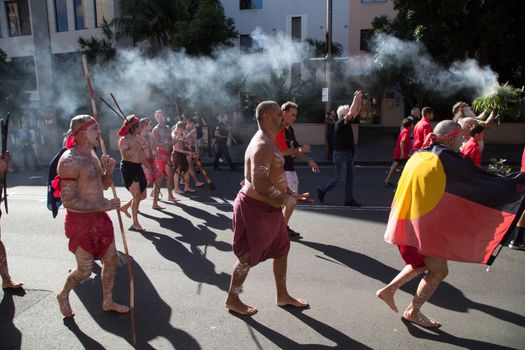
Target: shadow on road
<point>152,314</point>
<point>447,296</point>
<point>194,264</point>
<point>447,338</point>
<point>10,336</point>
<point>342,340</point>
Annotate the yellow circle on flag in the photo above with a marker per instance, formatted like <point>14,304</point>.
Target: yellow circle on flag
<point>420,187</point>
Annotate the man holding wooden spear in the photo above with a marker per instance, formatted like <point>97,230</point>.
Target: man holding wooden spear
<point>82,179</point>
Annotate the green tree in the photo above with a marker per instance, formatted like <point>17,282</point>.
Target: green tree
<point>99,50</point>
<point>206,29</point>
<point>150,20</point>
<point>451,30</point>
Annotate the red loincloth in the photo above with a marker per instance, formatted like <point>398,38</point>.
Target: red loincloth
<point>258,228</point>
<point>93,232</point>
<point>162,159</point>
<point>411,256</point>
<point>152,172</point>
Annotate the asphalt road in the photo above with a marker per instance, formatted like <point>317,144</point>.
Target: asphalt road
<point>182,267</point>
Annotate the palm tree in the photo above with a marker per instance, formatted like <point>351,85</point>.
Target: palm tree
<point>150,20</point>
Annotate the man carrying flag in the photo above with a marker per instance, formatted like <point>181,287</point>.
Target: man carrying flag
<point>438,184</point>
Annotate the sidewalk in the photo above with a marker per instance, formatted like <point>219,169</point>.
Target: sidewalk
<point>375,147</point>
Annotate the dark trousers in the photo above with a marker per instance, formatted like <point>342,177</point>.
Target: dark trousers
<point>28,151</point>
<point>222,151</point>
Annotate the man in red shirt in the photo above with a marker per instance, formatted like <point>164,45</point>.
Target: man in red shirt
<point>422,128</point>
<point>472,149</point>
<point>401,150</point>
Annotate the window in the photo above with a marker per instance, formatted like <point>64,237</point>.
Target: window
<point>296,28</point>
<point>101,12</point>
<point>18,22</point>
<point>250,4</point>
<point>366,34</point>
<point>80,14</point>
<point>61,15</point>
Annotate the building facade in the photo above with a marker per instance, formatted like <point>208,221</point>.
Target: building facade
<point>41,32</point>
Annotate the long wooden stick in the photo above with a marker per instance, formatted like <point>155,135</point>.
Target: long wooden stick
<point>124,242</point>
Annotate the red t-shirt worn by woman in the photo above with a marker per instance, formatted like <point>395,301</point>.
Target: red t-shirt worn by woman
<point>404,136</point>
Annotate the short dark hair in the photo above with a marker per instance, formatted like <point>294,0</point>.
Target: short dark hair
<point>408,122</point>
<point>426,110</point>
<point>476,129</point>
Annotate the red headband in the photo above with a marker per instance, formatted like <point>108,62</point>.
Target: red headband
<point>124,130</point>
<point>71,142</point>
<point>432,138</point>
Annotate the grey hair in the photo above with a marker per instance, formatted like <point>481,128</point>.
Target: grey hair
<point>342,111</point>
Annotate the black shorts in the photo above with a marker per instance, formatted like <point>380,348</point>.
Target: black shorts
<point>132,172</point>
<point>401,161</point>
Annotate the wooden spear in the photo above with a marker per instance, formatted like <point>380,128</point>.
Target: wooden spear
<point>124,242</point>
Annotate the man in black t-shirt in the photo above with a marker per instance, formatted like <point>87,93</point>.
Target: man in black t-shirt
<point>344,151</point>
<point>222,133</point>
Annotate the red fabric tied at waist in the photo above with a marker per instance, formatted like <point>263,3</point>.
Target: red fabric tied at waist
<point>57,183</point>
<point>92,232</point>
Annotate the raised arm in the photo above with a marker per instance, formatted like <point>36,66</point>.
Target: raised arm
<point>355,108</point>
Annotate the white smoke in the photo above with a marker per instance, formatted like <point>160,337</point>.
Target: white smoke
<point>140,83</point>
<point>391,52</point>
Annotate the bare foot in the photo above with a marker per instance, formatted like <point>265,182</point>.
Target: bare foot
<point>137,227</point>
<point>112,306</point>
<point>124,209</point>
<point>291,301</point>
<point>157,207</point>
<point>237,306</point>
<point>189,189</point>
<point>173,199</point>
<point>199,184</point>
<point>387,295</point>
<point>10,284</point>
<point>420,319</point>
<point>65,307</point>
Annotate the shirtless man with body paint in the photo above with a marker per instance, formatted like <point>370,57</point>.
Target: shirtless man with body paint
<point>151,170</point>
<point>163,142</point>
<point>83,179</point>
<point>259,227</point>
<point>132,155</point>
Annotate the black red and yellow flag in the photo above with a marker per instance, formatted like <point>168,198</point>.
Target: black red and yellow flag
<point>447,207</point>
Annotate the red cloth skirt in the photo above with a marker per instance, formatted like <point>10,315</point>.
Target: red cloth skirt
<point>162,159</point>
<point>93,232</point>
<point>152,172</point>
<point>411,256</point>
<point>258,228</point>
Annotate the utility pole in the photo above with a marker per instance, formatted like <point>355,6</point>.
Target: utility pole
<point>328,63</point>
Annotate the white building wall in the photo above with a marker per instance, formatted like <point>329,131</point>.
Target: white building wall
<point>275,16</point>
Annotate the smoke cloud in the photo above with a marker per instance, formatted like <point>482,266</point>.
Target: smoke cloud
<point>389,51</point>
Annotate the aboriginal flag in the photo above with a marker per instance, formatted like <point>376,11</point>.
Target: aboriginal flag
<point>447,207</point>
